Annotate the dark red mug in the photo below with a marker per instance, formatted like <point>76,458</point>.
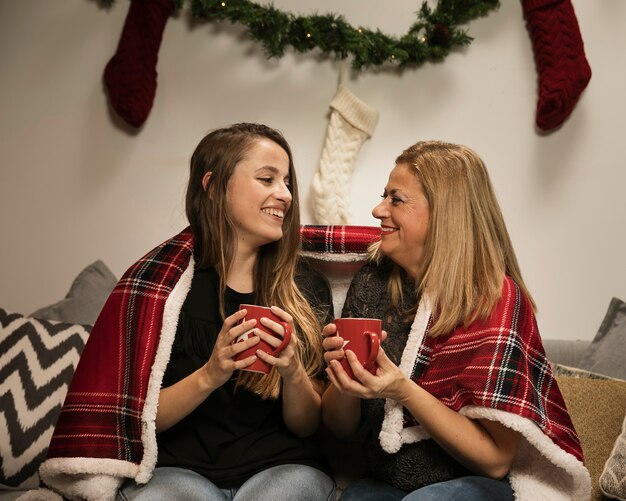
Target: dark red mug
<point>362,336</point>
<point>259,312</point>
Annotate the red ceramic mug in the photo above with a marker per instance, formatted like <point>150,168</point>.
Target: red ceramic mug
<point>258,312</point>
<point>362,336</point>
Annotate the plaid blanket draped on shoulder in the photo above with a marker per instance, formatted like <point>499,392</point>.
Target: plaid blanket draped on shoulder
<point>340,239</point>
<point>101,429</point>
<point>497,370</point>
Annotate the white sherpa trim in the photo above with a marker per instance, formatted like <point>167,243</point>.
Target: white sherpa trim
<point>92,479</point>
<point>173,305</point>
<point>348,257</point>
<point>541,470</point>
<point>392,432</point>
<point>40,495</point>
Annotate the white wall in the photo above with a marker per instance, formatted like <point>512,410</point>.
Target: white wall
<point>75,186</point>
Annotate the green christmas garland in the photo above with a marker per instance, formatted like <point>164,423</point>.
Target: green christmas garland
<point>430,38</point>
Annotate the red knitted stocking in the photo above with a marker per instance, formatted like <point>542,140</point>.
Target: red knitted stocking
<point>559,57</point>
<point>130,75</point>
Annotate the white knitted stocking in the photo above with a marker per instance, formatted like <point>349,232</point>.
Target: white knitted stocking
<point>351,122</point>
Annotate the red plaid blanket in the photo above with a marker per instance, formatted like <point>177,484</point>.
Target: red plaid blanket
<point>103,428</point>
<point>497,370</point>
<point>105,431</point>
<point>338,239</point>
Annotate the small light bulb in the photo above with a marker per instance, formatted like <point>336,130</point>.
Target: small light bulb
<point>308,35</point>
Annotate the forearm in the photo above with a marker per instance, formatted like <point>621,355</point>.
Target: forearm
<point>340,413</point>
<point>180,399</point>
<point>467,440</point>
<point>301,403</point>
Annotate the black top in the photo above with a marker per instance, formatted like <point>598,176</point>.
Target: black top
<point>414,465</point>
<point>232,434</point>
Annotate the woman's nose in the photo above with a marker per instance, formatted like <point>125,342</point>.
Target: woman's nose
<point>284,193</point>
<point>379,211</point>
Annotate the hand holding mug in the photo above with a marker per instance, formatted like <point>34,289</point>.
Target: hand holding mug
<point>362,337</point>
<point>222,363</point>
<point>266,326</point>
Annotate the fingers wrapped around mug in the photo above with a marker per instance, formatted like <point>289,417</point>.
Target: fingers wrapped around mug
<point>273,329</point>
<point>239,339</point>
<point>357,382</point>
<point>332,344</point>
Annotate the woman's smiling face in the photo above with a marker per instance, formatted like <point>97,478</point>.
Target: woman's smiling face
<point>259,196</point>
<point>404,215</point>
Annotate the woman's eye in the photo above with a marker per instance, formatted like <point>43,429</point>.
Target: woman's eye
<point>394,199</point>
<point>266,180</point>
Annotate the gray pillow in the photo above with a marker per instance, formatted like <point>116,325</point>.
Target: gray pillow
<point>86,297</point>
<point>607,352</point>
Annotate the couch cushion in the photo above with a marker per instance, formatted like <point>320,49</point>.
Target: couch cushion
<point>607,352</point>
<point>37,361</point>
<point>85,299</point>
<point>597,408</point>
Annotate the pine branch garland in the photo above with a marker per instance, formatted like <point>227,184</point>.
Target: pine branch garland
<point>430,38</point>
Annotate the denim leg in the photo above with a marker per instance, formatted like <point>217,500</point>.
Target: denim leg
<point>170,483</point>
<point>465,488</point>
<point>368,489</point>
<point>288,482</point>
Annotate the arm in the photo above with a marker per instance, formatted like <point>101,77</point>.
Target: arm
<point>485,447</point>
<point>341,413</point>
<point>301,402</point>
<point>301,394</point>
<point>180,399</point>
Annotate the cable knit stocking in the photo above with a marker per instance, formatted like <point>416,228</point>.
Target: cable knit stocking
<point>130,76</point>
<point>560,59</point>
<point>351,123</point>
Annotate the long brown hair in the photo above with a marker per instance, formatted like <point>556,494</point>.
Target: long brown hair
<point>219,152</point>
<point>468,249</point>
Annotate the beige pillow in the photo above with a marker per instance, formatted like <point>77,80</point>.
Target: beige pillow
<point>597,408</point>
<point>613,478</point>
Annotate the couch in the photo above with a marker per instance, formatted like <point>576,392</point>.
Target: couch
<point>39,351</point>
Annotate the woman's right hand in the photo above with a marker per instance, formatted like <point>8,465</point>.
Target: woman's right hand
<point>221,364</point>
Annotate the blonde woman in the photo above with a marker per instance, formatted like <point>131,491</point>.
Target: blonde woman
<point>174,412</point>
<point>463,404</point>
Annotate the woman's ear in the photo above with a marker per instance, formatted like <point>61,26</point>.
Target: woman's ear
<point>205,180</point>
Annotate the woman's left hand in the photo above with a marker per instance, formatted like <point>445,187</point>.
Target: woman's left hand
<point>286,362</point>
<point>388,382</point>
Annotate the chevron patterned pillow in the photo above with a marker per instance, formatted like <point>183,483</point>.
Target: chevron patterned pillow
<point>37,362</point>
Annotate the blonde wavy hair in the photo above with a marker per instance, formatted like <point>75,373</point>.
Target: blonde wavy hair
<point>219,152</point>
<point>468,249</point>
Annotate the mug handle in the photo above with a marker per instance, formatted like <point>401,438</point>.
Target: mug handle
<point>374,342</point>
<point>286,339</point>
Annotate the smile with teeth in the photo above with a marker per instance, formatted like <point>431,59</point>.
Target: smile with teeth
<point>274,212</point>
<point>387,229</point>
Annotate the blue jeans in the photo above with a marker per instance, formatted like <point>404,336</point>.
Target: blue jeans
<point>464,488</point>
<point>280,483</point>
